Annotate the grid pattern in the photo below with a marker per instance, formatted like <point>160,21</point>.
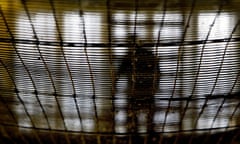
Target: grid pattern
<point>119,71</point>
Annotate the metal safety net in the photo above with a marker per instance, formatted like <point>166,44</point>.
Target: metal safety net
<point>118,71</point>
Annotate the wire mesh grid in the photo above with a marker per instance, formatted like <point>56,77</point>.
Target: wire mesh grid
<point>117,71</point>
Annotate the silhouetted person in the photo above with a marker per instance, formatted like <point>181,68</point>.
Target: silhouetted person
<point>140,66</point>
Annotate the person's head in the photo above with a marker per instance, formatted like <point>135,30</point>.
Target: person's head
<point>132,41</point>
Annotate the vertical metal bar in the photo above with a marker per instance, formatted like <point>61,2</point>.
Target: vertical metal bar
<point>67,66</point>
<point>61,45</point>
<point>180,49</point>
<point>113,76</point>
<point>161,25</point>
<point>26,69</point>
<point>109,28</point>
<point>158,43</point>
<point>179,58</point>
<point>133,125</point>
<point>16,91</point>
<point>223,57</point>
<point>199,68</point>
<point>42,58</point>
<point>86,55</point>
<point>89,67</point>
<point>219,70</point>
<point>200,62</point>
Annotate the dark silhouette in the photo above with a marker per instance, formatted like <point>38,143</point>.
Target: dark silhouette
<point>140,66</point>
